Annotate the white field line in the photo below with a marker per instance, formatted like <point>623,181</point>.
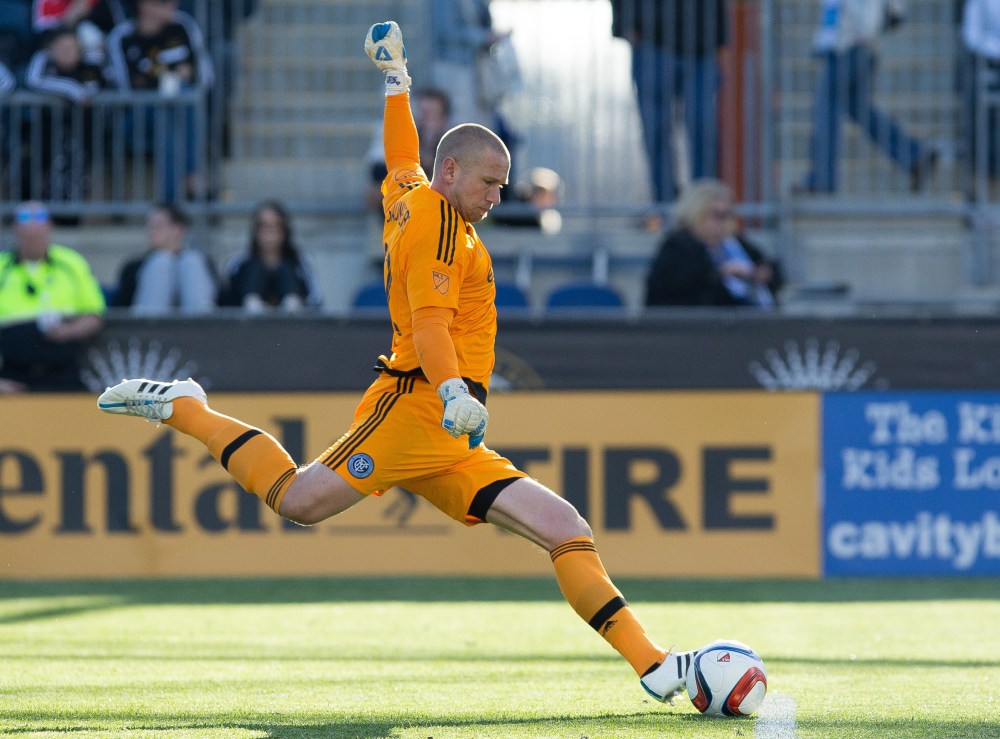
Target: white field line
<point>776,718</point>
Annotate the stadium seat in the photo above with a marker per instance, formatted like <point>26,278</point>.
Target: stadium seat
<point>510,298</point>
<point>583,296</point>
<point>370,298</point>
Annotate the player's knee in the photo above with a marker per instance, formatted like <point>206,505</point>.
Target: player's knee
<point>300,509</point>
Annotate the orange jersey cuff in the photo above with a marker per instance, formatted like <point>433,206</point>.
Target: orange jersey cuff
<point>432,340</point>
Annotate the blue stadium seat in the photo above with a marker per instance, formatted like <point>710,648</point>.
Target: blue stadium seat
<point>583,296</point>
<point>510,298</point>
<point>370,298</point>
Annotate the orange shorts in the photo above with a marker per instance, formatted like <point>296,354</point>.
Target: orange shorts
<point>397,439</point>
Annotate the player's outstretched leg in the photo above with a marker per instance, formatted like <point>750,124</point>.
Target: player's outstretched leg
<point>254,458</point>
<point>528,508</point>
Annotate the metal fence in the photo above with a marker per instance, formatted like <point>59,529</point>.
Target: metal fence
<point>296,104</point>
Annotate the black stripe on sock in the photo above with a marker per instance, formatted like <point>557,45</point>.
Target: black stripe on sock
<point>483,499</point>
<point>608,610</point>
<point>233,446</point>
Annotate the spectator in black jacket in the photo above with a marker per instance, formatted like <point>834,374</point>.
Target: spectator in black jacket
<point>273,273</point>
<point>163,50</point>
<point>60,69</point>
<point>700,263</point>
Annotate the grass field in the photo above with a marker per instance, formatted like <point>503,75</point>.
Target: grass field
<point>422,657</point>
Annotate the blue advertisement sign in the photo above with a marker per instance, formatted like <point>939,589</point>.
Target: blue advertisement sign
<point>911,483</point>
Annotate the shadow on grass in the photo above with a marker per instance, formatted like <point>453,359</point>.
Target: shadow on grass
<point>637,724</point>
<point>472,589</point>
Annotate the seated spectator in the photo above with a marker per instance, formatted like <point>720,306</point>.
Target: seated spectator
<point>432,114</point>
<point>60,69</point>
<point>162,50</point>
<point>50,304</point>
<point>696,265</point>
<point>541,192</point>
<point>170,276</point>
<point>91,19</point>
<point>273,273</point>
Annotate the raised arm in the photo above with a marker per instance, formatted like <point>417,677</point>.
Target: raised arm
<point>384,46</point>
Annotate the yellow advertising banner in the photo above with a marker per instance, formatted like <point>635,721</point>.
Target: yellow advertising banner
<point>674,484</point>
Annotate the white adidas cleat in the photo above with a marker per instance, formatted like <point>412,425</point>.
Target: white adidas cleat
<point>150,399</point>
<point>669,679</point>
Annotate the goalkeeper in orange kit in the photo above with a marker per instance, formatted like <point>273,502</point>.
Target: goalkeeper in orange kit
<point>421,424</point>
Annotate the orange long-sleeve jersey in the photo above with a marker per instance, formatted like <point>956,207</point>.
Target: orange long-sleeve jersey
<point>433,258</point>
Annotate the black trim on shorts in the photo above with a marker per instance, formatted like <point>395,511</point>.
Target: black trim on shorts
<point>483,499</point>
<point>233,446</point>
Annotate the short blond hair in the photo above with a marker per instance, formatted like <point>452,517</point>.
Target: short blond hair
<point>698,198</point>
<point>466,142</point>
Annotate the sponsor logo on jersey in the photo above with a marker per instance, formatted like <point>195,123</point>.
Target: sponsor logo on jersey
<point>489,276</point>
<point>441,282</point>
<point>360,465</point>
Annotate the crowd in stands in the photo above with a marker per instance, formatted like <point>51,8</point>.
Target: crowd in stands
<point>74,49</point>
<point>50,302</point>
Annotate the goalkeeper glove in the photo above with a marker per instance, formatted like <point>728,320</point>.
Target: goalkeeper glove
<point>384,46</point>
<point>463,414</point>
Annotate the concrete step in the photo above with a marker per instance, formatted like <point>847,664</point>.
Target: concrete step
<point>342,181</point>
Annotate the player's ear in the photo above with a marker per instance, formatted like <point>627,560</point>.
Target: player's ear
<point>449,169</point>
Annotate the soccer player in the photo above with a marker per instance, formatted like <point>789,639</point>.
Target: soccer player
<point>421,424</point>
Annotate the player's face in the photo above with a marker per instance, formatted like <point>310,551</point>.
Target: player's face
<point>476,186</point>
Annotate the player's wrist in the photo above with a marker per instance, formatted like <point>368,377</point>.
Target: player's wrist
<point>452,388</point>
<point>397,81</point>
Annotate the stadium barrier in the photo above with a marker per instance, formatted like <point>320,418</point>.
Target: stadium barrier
<point>891,470</point>
<point>679,495</point>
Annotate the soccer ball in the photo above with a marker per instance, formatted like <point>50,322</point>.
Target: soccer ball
<point>727,678</point>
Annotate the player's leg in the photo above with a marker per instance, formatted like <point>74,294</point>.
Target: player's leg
<point>528,508</point>
<point>254,458</point>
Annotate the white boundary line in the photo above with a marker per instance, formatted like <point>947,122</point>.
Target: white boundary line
<point>776,718</point>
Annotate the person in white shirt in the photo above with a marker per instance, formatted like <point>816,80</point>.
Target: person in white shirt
<point>846,42</point>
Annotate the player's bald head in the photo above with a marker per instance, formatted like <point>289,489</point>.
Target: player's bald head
<point>466,143</point>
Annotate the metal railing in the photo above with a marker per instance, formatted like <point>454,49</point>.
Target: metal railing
<point>115,155</point>
<point>295,104</point>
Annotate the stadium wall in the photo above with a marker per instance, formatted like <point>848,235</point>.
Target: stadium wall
<point>880,455</point>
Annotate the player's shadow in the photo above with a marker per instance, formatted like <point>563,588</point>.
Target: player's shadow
<point>638,724</point>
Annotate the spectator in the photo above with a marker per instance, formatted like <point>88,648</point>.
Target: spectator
<point>846,43</point>
<point>463,37</point>
<point>91,19</point>
<point>50,304</point>
<point>696,265</point>
<point>162,49</point>
<point>536,199</point>
<point>676,50</point>
<point>171,275</point>
<point>432,113</point>
<point>60,69</point>
<point>980,74</point>
<point>273,273</point>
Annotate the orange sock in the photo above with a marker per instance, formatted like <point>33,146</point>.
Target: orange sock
<point>255,459</point>
<point>586,586</point>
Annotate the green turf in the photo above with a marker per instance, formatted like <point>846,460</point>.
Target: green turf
<point>421,657</point>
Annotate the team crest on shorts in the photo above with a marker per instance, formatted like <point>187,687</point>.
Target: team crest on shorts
<point>360,465</point>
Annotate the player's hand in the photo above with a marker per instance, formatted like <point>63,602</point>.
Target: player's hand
<point>384,46</point>
<point>463,414</point>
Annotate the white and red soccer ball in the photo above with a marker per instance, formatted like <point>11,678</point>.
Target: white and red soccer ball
<point>727,678</point>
